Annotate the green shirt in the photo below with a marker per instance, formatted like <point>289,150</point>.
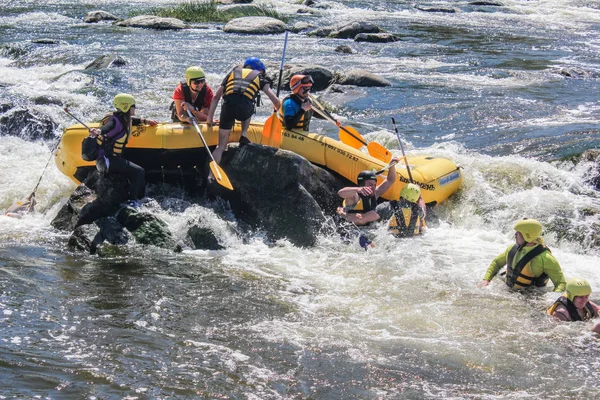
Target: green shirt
<point>544,262</point>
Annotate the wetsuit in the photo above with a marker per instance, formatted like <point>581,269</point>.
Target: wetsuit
<point>291,114</point>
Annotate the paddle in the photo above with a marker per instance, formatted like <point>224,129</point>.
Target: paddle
<point>217,171</point>
<point>66,109</point>
<point>351,136</point>
<point>272,129</point>
<point>403,152</point>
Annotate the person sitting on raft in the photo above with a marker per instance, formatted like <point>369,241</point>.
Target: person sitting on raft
<point>528,262</point>
<point>194,95</point>
<point>113,136</point>
<point>296,109</point>
<point>574,304</point>
<point>360,202</point>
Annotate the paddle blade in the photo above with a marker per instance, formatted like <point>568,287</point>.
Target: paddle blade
<point>379,152</point>
<point>351,137</point>
<point>272,132</point>
<point>220,175</point>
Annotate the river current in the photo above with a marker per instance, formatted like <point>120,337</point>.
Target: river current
<point>507,91</point>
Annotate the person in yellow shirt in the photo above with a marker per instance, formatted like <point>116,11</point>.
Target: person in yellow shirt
<point>528,262</point>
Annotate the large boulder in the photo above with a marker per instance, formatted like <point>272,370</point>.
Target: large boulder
<point>376,37</point>
<point>26,123</point>
<point>106,61</point>
<point>280,192</point>
<point>346,30</point>
<point>153,22</point>
<point>322,76</point>
<point>255,25</point>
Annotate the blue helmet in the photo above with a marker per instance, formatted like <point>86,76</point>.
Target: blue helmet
<point>255,64</point>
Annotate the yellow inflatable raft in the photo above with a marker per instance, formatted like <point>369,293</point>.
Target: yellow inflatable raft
<point>170,147</point>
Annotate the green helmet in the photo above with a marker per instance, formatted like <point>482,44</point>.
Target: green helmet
<point>411,192</point>
<point>577,287</point>
<point>123,102</point>
<point>194,73</point>
<point>366,175</point>
<point>531,229</point>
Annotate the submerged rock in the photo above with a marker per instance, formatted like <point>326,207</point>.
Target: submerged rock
<point>26,124</point>
<point>346,30</point>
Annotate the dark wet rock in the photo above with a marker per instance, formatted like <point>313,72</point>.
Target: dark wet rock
<point>99,15</point>
<point>346,30</point>
<point>255,25</point>
<point>376,37</point>
<point>47,100</point>
<point>344,48</point>
<point>593,155</point>
<point>27,124</point>
<point>153,22</point>
<point>280,192</point>
<point>97,201</point>
<point>204,238</point>
<point>106,61</point>
<point>147,228</point>
<point>576,73</point>
<point>15,50</point>
<point>45,41</point>
<point>322,76</point>
<point>309,3</point>
<point>486,3</point>
<point>446,10</point>
<point>363,78</point>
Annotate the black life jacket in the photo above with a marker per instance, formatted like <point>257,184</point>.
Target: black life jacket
<point>521,275</point>
<point>365,204</point>
<point>589,310</point>
<point>187,95</point>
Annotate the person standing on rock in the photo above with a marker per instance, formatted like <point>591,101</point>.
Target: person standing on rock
<point>194,95</point>
<point>113,136</point>
<point>240,91</point>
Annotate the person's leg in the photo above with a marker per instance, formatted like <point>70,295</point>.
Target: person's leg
<point>223,140</point>
<point>133,172</point>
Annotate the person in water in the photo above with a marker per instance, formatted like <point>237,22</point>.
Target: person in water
<point>409,212</point>
<point>296,109</point>
<point>194,95</point>
<point>528,262</point>
<point>113,136</point>
<point>359,204</point>
<point>240,90</point>
<point>574,305</point>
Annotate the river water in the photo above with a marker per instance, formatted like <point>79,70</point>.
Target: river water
<point>486,86</point>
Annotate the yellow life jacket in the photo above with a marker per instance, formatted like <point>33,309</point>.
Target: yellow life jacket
<point>407,219</point>
<point>244,81</point>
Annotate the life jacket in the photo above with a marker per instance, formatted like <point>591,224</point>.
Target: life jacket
<point>244,81</point>
<point>520,276</point>
<point>364,204</point>
<point>304,121</point>
<point>114,141</point>
<point>187,96</point>
<point>407,219</point>
<point>563,300</point>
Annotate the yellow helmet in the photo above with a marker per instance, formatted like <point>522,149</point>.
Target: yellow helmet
<point>411,192</point>
<point>194,72</point>
<point>577,287</point>
<point>531,229</point>
<point>123,102</point>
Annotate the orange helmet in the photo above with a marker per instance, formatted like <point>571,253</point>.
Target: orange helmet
<point>300,81</point>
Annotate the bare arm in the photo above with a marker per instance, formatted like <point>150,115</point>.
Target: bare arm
<point>274,99</point>
<point>389,182</point>
<point>213,105</point>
